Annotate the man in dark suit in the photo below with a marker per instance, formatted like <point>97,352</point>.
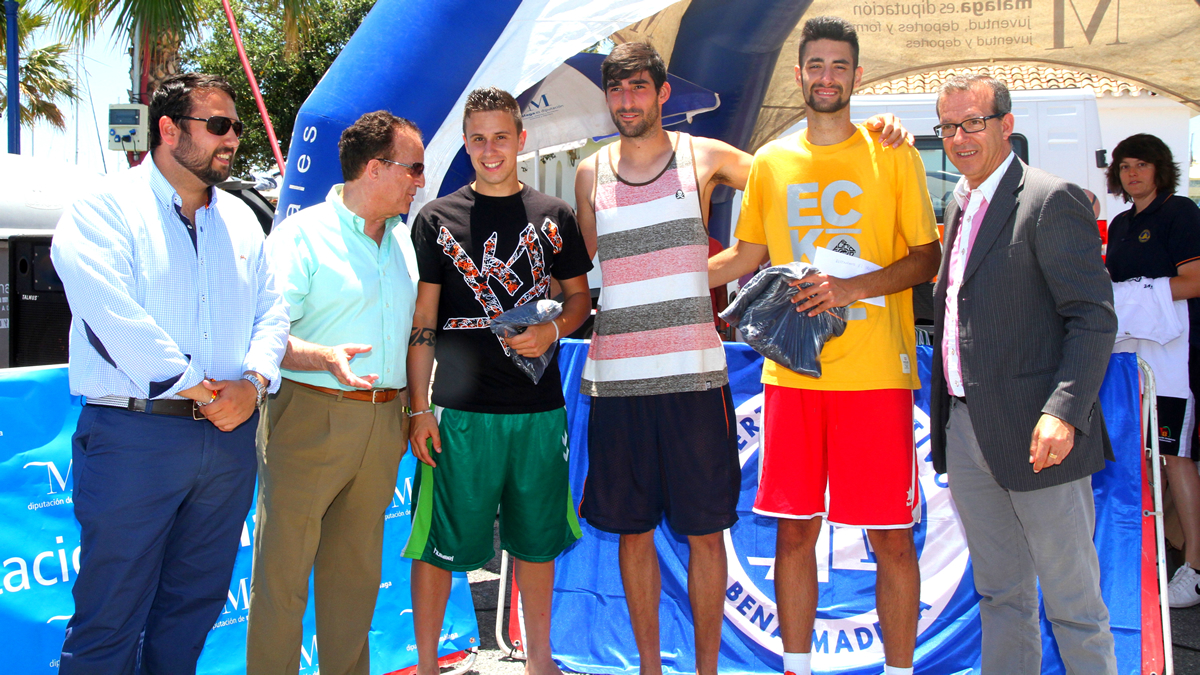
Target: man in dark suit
<point>1024,329</point>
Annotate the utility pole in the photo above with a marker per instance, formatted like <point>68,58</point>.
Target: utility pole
<point>14,78</point>
<point>78,49</point>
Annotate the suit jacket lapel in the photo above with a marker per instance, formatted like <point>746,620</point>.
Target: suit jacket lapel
<point>1003,203</point>
<point>952,219</point>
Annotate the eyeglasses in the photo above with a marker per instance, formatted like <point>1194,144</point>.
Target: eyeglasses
<point>971,126</point>
<point>416,169</point>
<point>217,125</point>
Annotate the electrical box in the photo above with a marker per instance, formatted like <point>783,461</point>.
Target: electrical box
<point>128,130</point>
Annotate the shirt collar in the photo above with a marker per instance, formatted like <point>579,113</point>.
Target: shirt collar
<point>962,192</point>
<point>1153,206</point>
<point>166,193</point>
<point>350,218</point>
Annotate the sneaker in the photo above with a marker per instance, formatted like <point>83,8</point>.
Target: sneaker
<point>1184,589</point>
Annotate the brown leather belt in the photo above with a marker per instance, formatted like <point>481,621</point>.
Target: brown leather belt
<point>372,395</point>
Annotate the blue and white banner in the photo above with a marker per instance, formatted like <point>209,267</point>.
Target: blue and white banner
<point>591,630</point>
<point>39,554</point>
<point>39,545</point>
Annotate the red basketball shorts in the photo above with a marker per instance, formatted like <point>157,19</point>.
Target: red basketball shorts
<point>847,456</point>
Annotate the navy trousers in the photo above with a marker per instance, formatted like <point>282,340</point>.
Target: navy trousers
<point>161,502</point>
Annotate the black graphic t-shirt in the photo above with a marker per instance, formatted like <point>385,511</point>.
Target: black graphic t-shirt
<point>490,254</point>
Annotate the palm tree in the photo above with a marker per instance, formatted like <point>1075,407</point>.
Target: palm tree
<point>156,28</point>
<point>45,78</point>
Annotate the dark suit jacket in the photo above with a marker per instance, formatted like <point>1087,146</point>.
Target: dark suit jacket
<point>1036,329</point>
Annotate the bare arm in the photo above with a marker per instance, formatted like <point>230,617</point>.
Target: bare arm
<point>720,163</point>
<point>421,342</point>
<point>585,211</point>
<point>301,355</point>
<point>734,262</point>
<point>577,305</point>
<point>1187,284</point>
<point>918,266</point>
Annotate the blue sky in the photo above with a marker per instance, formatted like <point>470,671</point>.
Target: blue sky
<point>104,79</point>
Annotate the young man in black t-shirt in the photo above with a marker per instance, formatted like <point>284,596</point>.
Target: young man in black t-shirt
<point>498,440</point>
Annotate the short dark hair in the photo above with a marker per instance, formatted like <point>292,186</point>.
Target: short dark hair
<point>489,99</point>
<point>370,137</point>
<point>1150,149</point>
<point>1001,99</point>
<point>829,28</point>
<point>173,98</point>
<point>630,58</point>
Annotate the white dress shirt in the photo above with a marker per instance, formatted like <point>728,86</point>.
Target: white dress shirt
<point>154,313</point>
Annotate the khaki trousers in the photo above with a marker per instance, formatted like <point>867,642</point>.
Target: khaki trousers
<point>325,478</point>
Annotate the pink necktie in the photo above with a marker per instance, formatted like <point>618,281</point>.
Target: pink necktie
<point>976,223</point>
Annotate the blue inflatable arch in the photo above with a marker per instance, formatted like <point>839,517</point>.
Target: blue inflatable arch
<point>419,58</point>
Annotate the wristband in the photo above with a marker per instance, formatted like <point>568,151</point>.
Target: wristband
<point>556,334</point>
<point>411,413</point>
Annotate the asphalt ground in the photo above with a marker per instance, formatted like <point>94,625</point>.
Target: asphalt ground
<point>1185,628</point>
<point>494,660</point>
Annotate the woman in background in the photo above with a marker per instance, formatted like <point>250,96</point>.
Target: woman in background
<point>1156,244</point>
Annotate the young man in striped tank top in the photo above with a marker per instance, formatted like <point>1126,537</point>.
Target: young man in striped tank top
<point>661,435</point>
<point>848,434</point>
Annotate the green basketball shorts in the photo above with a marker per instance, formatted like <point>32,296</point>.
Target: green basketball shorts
<point>515,462</point>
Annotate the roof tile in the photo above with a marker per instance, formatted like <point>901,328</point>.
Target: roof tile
<point>1016,76</point>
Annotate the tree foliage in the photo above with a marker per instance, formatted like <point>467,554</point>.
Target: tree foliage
<point>81,19</point>
<point>45,77</point>
<point>285,78</point>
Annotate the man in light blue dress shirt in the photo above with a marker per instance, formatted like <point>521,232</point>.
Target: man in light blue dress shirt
<point>176,338</point>
<point>337,426</point>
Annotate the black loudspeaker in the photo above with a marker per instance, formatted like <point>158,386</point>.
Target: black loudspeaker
<point>40,324</point>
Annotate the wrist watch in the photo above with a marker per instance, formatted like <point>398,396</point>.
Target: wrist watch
<point>259,383</point>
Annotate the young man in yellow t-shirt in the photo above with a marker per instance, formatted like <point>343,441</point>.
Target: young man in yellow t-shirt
<point>851,431</point>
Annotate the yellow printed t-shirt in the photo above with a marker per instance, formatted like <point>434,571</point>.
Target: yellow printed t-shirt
<point>856,198</point>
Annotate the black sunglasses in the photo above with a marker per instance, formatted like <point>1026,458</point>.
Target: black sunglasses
<point>416,169</point>
<point>218,125</point>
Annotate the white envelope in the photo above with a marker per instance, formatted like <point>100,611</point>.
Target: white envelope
<point>844,266</point>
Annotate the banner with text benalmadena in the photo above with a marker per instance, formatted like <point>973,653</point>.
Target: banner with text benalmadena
<point>39,550</point>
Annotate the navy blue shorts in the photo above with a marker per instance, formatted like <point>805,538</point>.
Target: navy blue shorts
<point>671,454</point>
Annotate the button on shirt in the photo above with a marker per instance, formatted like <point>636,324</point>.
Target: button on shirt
<point>153,312</point>
<point>341,287</point>
<point>972,206</point>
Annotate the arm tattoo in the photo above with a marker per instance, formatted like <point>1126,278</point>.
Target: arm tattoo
<point>422,336</point>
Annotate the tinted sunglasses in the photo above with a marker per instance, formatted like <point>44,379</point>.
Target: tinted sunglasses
<point>217,125</point>
<point>416,169</point>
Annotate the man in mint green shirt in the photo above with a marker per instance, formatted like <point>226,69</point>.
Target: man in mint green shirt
<point>337,426</point>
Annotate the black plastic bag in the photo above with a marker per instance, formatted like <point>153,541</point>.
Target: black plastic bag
<point>516,320</point>
<point>769,322</point>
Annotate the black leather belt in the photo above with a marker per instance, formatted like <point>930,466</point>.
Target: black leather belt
<point>172,407</point>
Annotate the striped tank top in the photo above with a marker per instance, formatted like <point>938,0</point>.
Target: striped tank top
<point>654,331</point>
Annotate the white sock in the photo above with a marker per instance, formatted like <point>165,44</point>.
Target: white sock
<point>896,670</point>
<point>797,664</point>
